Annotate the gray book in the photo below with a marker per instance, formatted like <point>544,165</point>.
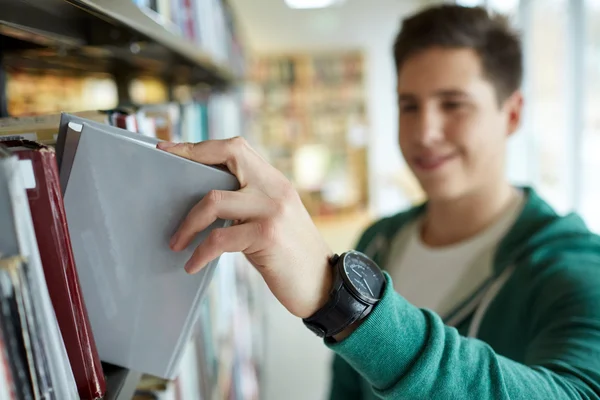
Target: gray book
<point>124,199</point>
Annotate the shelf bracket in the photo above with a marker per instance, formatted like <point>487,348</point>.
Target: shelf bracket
<point>123,77</point>
<point>121,383</point>
<point>3,89</point>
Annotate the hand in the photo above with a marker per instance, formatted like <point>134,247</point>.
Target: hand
<point>272,227</point>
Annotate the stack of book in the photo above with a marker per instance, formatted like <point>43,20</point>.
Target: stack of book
<point>39,285</point>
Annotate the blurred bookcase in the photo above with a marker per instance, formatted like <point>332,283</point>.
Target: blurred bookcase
<point>310,110</point>
<point>180,61</point>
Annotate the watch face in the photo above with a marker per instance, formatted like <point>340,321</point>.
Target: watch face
<point>364,275</point>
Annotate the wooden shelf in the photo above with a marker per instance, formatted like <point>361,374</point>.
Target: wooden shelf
<point>113,36</point>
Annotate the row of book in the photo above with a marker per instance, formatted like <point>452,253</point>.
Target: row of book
<point>34,93</point>
<point>29,93</point>
<point>319,69</point>
<point>39,285</point>
<point>194,121</point>
<point>223,360</point>
<point>309,111</point>
<point>207,23</point>
<point>220,351</point>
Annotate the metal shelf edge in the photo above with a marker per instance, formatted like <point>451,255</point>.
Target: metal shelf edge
<point>127,13</point>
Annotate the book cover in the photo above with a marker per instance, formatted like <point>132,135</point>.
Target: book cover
<point>124,199</point>
<point>52,233</point>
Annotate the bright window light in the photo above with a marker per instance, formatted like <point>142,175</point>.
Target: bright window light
<point>504,6</point>
<point>304,4</point>
<point>470,3</point>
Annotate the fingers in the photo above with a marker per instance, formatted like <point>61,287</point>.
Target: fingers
<point>233,239</point>
<point>218,204</point>
<point>235,153</point>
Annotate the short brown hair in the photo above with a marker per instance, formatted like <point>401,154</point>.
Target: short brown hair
<point>451,26</point>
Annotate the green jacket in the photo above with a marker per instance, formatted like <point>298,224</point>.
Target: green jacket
<point>539,338</point>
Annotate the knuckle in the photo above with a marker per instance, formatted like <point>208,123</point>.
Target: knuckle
<point>188,148</point>
<point>236,148</point>
<point>288,193</point>
<point>286,200</point>
<point>267,230</point>
<point>214,197</point>
<point>216,237</point>
<point>279,209</point>
<point>237,143</point>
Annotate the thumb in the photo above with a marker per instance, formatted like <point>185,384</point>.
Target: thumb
<point>165,145</point>
<point>179,149</point>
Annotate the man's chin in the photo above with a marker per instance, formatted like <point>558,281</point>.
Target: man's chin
<point>443,190</point>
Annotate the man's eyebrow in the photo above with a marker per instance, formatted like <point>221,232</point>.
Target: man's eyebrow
<point>451,93</point>
<point>406,97</point>
<point>437,93</point>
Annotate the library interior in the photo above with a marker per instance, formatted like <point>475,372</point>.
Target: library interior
<point>95,305</point>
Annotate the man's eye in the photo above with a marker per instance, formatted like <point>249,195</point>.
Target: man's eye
<point>452,105</point>
<point>408,108</point>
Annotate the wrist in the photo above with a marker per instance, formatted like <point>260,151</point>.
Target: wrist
<point>323,285</point>
<point>353,285</point>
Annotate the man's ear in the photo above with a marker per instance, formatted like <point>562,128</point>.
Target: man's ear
<point>513,107</point>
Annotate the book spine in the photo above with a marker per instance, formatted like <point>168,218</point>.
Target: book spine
<point>189,27</point>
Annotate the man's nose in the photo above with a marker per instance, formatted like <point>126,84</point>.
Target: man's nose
<point>429,129</point>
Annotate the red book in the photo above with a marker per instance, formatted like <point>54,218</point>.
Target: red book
<point>50,224</point>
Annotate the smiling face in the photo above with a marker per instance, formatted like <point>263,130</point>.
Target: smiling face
<point>452,131</point>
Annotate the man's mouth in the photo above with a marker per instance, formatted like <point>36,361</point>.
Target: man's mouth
<point>432,162</point>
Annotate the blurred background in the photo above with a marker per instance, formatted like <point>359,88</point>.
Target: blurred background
<point>315,93</point>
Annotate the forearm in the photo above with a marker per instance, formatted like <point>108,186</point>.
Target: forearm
<point>405,352</point>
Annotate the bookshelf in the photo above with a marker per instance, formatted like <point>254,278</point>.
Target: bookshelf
<point>110,36</point>
<point>59,46</point>
<point>310,111</point>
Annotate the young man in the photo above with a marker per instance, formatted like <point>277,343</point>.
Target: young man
<point>471,253</point>
<point>506,293</point>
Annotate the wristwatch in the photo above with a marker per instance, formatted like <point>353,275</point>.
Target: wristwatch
<point>358,285</point>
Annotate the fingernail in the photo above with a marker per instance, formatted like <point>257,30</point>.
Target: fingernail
<point>173,242</point>
<point>188,267</point>
<point>166,145</point>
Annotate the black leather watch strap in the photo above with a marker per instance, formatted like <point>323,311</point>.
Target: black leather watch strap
<point>341,311</point>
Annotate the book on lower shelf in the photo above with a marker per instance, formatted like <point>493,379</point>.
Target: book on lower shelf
<point>38,163</point>
<point>39,366</point>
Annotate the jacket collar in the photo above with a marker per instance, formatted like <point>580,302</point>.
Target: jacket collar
<point>523,237</point>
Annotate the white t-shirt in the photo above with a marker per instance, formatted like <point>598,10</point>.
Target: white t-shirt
<point>441,278</point>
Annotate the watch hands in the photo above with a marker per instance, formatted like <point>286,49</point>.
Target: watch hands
<point>368,287</point>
